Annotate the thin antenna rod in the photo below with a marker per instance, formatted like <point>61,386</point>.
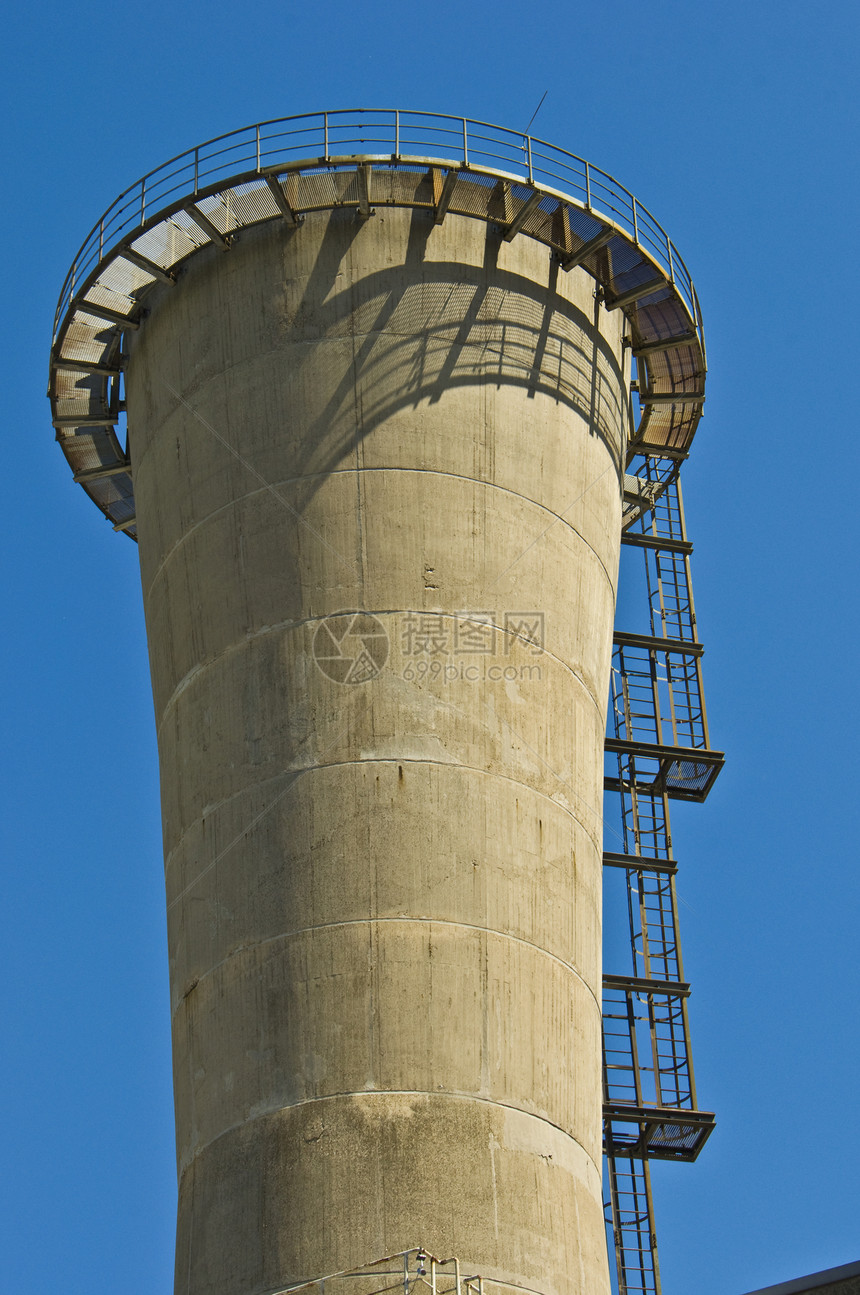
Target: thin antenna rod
<point>536,111</point>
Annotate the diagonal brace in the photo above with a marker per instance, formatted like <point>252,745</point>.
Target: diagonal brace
<point>444,199</point>
<point>583,252</point>
<point>205,224</point>
<point>522,216</point>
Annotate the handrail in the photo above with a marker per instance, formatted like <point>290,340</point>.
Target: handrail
<point>551,195</point>
<point>397,133</point>
<point>406,1281</point>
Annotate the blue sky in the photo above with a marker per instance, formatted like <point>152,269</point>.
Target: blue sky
<point>736,125</point>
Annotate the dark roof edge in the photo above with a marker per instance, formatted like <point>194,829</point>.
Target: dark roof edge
<point>813,1282</point>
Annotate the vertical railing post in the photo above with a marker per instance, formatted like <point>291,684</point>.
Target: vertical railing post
<point>689,1055</point>
<point>457,1276</point>
<point>325,135</point>
<point>465,144</point>
<point>257,128</point>
<point>142,201</point>
<point>700,327</point>
<point>433,1276</point>
<point>396,134</point>
<point>635,223</point>
<point>196,169</point>
<point>405,1272</point>
<point>588,186</point>
<point>699,318</point>
<point>101,236</point>
<point>529,155</point>
<point>671,262</point>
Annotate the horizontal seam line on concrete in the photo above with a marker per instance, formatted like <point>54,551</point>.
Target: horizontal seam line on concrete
<point>351,471</point>
<point>281,627</point>
<point>411,921</point>
<point>388,1092</point>
<point>443,764</point>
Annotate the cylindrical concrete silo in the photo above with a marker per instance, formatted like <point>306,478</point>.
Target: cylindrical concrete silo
<point>377,444</point>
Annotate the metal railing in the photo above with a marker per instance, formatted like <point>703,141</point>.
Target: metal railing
<point>323,139</point>
<point>404,1273</point>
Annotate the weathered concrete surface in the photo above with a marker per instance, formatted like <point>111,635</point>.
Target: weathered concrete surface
<point>383,897</point>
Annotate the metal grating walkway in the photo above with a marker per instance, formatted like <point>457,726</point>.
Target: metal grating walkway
<point>281,170</point>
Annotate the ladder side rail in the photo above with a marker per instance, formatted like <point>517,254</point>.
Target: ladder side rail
<point>619,1078</point>
<point>694,1105</point>
<point>633,1226</point>
<point>672,1051</point>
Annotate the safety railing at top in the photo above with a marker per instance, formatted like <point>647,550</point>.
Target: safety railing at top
<point>389,135</point>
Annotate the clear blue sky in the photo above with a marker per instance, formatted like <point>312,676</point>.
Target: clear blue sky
<point>736,124</point>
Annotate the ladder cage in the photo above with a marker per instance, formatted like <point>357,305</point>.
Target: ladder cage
<point>656,702</point>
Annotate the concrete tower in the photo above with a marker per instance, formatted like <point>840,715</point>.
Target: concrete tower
<point>377,439</point>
